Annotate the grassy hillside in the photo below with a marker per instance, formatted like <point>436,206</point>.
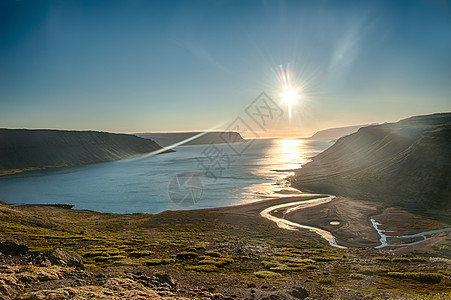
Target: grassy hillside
<point>170,138</point>
<point>24,150</point>
<point>407,163</point>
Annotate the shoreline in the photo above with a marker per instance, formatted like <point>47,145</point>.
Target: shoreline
<point>342,223</point>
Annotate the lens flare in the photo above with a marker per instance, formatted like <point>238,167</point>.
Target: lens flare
<point>290,94</point>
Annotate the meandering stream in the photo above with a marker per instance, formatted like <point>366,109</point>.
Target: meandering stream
<point>285,224</point>
<point>329,237</point>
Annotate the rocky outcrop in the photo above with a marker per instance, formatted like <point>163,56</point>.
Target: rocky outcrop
<point>33,282</point>
<point>26,150</point>
<point>13,248</point>
<point>58,256</point>
<point>56,274</point>
<point>166,279</point>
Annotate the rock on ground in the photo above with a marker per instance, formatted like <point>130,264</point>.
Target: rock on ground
<point>60,257</point>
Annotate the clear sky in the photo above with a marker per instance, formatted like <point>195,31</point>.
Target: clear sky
<point>135,66</point>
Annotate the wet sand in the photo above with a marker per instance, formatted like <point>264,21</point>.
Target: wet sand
<point>354,227</point>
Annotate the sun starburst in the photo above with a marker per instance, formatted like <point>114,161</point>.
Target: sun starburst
<point>291,93</point>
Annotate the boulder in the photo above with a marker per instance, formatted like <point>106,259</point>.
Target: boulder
<point>299,293</point>
<point>165,278</point>
<point>58,256</point>
<point>13,248</point>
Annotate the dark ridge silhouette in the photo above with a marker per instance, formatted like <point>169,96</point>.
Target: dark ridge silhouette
<point>26,150</point>
<point>335,133</point>
<point>170,138</point>
<point>407,163</point>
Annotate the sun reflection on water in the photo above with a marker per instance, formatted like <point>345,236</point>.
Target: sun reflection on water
<point>289,154</point>
<point>278,161</point>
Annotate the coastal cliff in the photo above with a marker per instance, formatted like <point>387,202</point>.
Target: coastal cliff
<point>170,138</point>
<point>26,150</point>
<point>407,163</point>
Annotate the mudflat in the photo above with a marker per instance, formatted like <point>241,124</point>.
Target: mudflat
<point>349,221</point>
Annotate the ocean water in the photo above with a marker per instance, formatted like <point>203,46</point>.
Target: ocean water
<point>193,177</point>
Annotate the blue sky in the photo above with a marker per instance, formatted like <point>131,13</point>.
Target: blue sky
<point>133,66</point>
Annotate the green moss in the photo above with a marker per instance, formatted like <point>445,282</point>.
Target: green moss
<point>207,262</point>
<point>311,267</point>
<point>202,268</point>
<point>418,276</point>
<point>326,281</point>
<point>325,258</point>
<point>301,251</point>
<point>443,248</point>
<point>219,262</point>
<point>41,248</point>
<point>356,276</point>
<point>90,266</point>
<point>196,247</point>
<point>116,252</point>
<point>294,259</point>
<point>101,258</point>
<point>187,255</point>
<point>94,254</point>
<point>401,260</point>
<point>417,259</point>
<point>213,253</point>
<point>286,268</point>
<point>158,261</point>
<point>118,257</point>
<point>381,258</point>
<point>153,244</point>
<point>267,274</point>
<point>294,265</point>
<point>270,264</point>
<point>141,253</point>
<point>438,296</point>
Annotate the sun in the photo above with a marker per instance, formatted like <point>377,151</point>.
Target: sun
<point>290,91</point>
<point>291,95</point>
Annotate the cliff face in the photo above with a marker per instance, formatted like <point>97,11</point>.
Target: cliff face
<point>407,163</point>
<point>170,138</point>
<point>23,150</point>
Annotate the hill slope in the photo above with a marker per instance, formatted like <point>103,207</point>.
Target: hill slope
<point>407,163</point>
<point>335,133</point>
<point>170,138</point>
<point>24,150</point>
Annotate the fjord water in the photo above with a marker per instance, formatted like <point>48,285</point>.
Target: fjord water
<point>142,185</point>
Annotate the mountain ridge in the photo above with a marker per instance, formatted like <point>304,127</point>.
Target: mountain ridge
<point>23,150</point>
<point>336,132</point>
<point>214,137</point>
